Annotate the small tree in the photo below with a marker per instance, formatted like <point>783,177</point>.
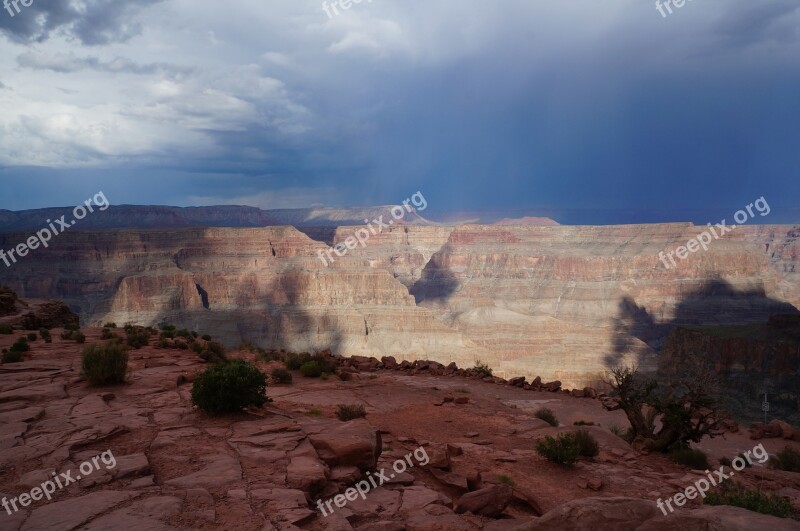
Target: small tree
<point>687,407</point>
<point>229,388</point>
<point>105,364</point>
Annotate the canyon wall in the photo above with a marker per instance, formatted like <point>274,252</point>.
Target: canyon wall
<point>560,302</point>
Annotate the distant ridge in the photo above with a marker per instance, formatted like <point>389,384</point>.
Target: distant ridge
<point>162,217</point>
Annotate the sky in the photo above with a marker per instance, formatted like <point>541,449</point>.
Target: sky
<point>518,104</point>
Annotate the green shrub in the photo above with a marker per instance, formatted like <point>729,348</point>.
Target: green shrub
<point>582,423</point>
<point>107,334</point>
<point>350,412</point>
<point>72,327</point>
<point>506,480</point>
<point>311,369</point>
<point>197,347</point>
<point>295,361</point>
<point>690,457</point>
<point>105,364</point>
<point>482,369</point>
<point>110,325</point>
<point>79,337</point>
<point>45,333</point>
<point>265,356</point>
<point>20,345</point>
<point>181,345</point>
<point>137,337</point>
<point>547,415</point>
<point>32,336</point>
<point>587,444</point>
<point>206,337</point>
<point>281,376</point>
<point>167,334</point>
<point>163,343</point>
<point>166,327</point>
<point>184,333</point>
<point>213,352</point>
<point>229,388</point>
<point>564,450</point>
<point>737,495</point>
<point>626,435</point>
<point>6,330</point>
<point>787,459</point>
<point>11,356</point>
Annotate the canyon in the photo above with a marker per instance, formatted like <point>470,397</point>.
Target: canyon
<point>561,302</point>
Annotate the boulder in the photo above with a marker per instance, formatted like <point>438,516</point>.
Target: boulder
<point>491,501</point>
<point>355,443</point>
<point>610,513</point>
<point>519,381</point>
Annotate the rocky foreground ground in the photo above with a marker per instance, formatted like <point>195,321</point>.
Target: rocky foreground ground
<point>177,468</point>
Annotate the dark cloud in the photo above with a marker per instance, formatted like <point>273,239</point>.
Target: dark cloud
<point>92,22</point>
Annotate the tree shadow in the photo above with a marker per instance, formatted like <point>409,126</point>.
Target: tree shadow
<point>717,320</point>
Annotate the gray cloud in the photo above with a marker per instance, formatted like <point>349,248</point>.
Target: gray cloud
<point>756,22</point>
<point>68,63</point>
<point>92,22</point>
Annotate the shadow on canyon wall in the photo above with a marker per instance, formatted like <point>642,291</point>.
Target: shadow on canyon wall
<point>726,320</point>
<point>715,302</point>
<point>436,283</point>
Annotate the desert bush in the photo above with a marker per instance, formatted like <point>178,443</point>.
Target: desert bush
<point>350,412</point>
<point>104,364</point>
<point>725,461</point>
<point>21,345</point>
<point>587,444</point>
<point>281,376</point>
<point>482,369</point>
<point>737,495</point>
<point>184,333</point>
<point>163,343</point>
<point>197,348</point>
<point>214,352</point>
<point>311,369</point>
<point>6,330</point>
<point>547,415</point>
<point>787,459</point>
<point>691,457</point>
<point>11,356</point>
<point>582,423</point>
<point>79,337</point>
<point>45,333</point>
<point>295,361</point>
<point>137,337</point>
<point>167,334</point>
<point>166,327</point>
<point>229,388</point>
<point>563,450</point>
<point>506,480</point>
<point>110,325</point>
<point>107,334</point>
<point>206,337</point>
<point>32,336</point>
<point>266,356</point>
<point>72,327</point>
<point>181,345</point>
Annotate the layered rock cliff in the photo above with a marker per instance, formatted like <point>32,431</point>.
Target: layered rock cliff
<point>561,302</point>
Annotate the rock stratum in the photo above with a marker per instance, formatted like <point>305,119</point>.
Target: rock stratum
<point>562,302</point>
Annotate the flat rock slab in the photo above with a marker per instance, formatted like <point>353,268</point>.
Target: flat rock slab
<point>71,513</point>
<point>220,470</point>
